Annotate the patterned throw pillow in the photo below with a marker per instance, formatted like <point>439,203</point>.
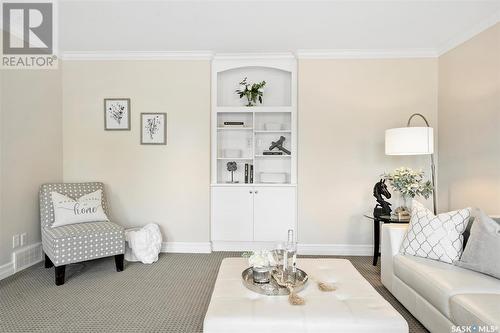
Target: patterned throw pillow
<point>435,237</point>
<point>88,208</point>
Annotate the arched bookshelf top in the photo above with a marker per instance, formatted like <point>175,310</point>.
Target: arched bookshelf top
<point>277,91</point>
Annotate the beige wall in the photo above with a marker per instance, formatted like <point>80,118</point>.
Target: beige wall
<point>30,147</point>
<point>344,108</point>
<point>469,124</point>
<point>350,103</point>
<point>168,185</point>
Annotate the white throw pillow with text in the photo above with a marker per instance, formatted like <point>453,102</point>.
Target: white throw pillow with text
<point>87,208</point>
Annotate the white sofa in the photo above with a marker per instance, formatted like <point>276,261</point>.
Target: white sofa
<point>439,295</point>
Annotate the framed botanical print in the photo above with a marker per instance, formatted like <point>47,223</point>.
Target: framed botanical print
<point>117,114</point>
<point>153,128</point>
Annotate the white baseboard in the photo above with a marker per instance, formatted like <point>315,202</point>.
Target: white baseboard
<point>336,249</point>
<point>6,270</point>
<point>22,258</point>
<point>186,247</point>
<point>306,249</point>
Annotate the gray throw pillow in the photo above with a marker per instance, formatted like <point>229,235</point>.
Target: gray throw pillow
<point>482,253</point>
<point>466,233</point>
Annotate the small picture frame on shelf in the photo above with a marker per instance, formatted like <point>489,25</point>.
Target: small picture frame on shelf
<point>117,114</point>
<point>153,128</point>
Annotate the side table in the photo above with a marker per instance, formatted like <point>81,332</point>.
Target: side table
<point>376,232</point>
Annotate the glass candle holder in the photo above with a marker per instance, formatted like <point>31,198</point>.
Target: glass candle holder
<point>261,275</point>
<point>278,256</point>
<point>290,259</point>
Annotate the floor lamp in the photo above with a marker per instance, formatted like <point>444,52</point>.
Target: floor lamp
<point>413,141</point>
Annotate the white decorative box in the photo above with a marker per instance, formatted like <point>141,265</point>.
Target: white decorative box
<point>272,126</point>
<point>273,177</point>
<point>231,153</point>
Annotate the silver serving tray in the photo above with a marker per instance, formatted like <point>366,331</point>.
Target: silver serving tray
<point>272,288</point>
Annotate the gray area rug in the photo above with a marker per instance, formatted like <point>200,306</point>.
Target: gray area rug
<point>171,295</point>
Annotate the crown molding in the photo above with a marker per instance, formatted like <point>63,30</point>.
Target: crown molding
<point>366,54</point>
<point>469,33</point>
<point>137,55</point>
<point>255,55</point>
<point>208,55</point>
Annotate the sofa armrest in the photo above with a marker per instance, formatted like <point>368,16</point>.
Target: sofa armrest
<point>392,237</point>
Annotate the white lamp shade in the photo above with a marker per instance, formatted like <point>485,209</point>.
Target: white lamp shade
<point>409,141</point>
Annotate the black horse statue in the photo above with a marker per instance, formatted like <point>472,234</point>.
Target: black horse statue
<point>383,207</point>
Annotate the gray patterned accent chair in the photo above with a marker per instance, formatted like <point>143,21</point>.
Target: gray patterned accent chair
<point>77,242</point>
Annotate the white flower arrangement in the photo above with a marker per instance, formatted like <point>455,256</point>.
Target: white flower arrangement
<point>261,258</point>
<point>409,183</point>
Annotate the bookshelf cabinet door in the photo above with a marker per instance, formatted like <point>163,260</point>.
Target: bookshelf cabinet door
<point>274,213</point>
<point>232,214</point>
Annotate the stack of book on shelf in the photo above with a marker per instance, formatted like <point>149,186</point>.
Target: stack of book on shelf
<point>234,124</point>
<point>248,173</point>
<point>271,152</point>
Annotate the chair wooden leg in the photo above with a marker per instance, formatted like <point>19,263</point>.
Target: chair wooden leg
<point>60,271</point>
<point>119,262</point>
<point>48,262</point>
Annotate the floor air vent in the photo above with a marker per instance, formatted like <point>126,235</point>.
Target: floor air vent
<point>27,256</point>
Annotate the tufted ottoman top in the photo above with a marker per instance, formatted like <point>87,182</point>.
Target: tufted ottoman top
<point>354,307</point>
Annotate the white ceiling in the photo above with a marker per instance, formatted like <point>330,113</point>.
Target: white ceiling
<point>257,26</point>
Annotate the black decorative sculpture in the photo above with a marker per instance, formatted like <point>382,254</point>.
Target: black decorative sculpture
<point>279,144</point>
<point>383,207</point>
<point>232,167</point>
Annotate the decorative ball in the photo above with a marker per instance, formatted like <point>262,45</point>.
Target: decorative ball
<point>231,166</point>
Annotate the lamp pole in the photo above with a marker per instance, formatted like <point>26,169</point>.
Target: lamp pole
<point>433,167</point>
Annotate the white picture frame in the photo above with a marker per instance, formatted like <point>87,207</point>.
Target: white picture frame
<point>153,128</point>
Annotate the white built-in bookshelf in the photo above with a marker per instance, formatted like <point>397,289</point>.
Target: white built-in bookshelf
<point>244,216</point>
<point>263,124</point>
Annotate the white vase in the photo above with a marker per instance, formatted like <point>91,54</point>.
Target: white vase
<point>403,212</point>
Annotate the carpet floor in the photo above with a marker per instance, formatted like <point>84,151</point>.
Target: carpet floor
<point>171,295</point>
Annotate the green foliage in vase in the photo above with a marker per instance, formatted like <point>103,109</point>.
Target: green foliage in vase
<point>409,183</point>
<point>252,91</point>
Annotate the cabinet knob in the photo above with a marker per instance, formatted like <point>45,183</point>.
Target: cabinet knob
<point>250,192</point>
<point>256,192</point>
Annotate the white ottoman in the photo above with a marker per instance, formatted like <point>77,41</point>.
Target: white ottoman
<point>354,307</point>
